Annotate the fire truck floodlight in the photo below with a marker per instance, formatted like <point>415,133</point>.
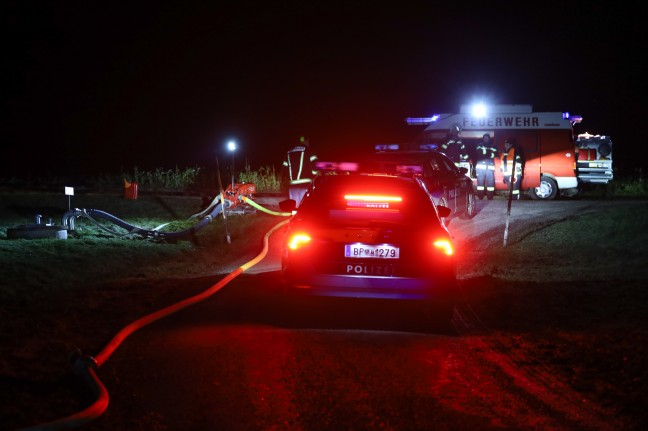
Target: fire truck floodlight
<point>479,110</point>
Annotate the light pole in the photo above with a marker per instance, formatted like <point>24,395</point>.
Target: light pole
<point>231,145</point>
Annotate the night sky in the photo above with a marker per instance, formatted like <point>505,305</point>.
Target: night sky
<point>102,86</point>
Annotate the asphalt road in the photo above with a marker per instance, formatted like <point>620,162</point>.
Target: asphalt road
<point>248,358</point>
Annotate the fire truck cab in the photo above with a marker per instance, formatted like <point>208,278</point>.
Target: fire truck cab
<point>546,139</point>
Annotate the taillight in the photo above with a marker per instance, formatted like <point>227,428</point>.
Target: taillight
<point>298,240</point>
<point>445,246</point>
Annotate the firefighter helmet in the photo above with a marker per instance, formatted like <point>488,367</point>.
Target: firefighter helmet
<point>455,129</point>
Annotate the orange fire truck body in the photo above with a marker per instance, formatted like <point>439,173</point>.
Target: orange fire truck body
<point>546,139</point>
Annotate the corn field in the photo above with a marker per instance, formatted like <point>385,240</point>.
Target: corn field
<point>163,180</point>
<point>265,179</point>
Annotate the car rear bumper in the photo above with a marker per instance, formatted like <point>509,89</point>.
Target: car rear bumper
<point>350,286</point>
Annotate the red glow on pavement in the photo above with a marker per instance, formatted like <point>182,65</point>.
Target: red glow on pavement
<point>476,379</point>
<point>266,366</point>
<point>291,378</point>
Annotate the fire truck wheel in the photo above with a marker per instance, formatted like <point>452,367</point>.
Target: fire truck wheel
<point>548,189</point>
<point>469,210</point>
<point>604,150</point>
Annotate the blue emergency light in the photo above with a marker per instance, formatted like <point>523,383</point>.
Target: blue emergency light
<point>412,121</point>
<point>387,147</point>
<point>428,147</point>
<point>409,169</point>
<point>336,166</point>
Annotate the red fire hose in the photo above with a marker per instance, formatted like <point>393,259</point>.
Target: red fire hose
<point>86,366</point>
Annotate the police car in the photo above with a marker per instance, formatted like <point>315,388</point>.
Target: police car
<point>449,185</point>
<point>370,235</point>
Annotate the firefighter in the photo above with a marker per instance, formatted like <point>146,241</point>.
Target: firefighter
<point>485,167</point>
<point>454,148</point>
<point>300,163</point>
<point>512,152</point>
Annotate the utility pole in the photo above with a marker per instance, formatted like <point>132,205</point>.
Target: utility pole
<point>222,201</point>
<point>510,198</point>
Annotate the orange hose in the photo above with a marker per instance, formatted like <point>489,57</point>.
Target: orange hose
<point>87,365</point>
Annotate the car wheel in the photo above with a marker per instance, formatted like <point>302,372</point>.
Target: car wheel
<point>469,211</point>
<point>547,190</point>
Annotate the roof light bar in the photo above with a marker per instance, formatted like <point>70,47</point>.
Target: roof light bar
<point>337,166</point>
<point>412,121</point>
<point>409,169</point>
<point>428,147</point>
<point>387,147</point>
<point>575,119</point>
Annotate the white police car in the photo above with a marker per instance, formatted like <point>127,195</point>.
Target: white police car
<point>366,235</point>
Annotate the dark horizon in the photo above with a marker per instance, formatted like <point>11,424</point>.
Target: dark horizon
<point>99,88</point>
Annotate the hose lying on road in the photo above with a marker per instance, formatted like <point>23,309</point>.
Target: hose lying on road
<point>86,365</point>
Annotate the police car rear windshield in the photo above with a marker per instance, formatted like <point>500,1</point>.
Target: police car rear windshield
<point>363,200</point>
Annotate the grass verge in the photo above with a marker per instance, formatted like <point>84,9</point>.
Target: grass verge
<point>60,295</point>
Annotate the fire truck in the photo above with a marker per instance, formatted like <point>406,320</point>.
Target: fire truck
<point>557,161</point>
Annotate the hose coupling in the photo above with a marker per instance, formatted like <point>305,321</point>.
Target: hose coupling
<point>81,362</point>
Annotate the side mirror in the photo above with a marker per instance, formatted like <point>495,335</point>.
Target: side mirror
<point>443,211</point>
<point>288,206</point>
<point>463,170</point>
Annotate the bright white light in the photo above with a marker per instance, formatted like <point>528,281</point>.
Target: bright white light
<point>479,110</point>
<point>231,145</point>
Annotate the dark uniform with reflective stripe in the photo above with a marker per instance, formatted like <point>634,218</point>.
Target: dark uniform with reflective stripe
<point>485,168</point>
<point>455,150</point>
<point>513,151</point>
<point>300,164</point>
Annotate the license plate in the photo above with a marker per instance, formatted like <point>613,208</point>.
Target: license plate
<point>366,251</point>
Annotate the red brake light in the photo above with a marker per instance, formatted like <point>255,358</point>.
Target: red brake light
<point>298,240</point>
<point>445,246</point>
<point>371,201</point>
